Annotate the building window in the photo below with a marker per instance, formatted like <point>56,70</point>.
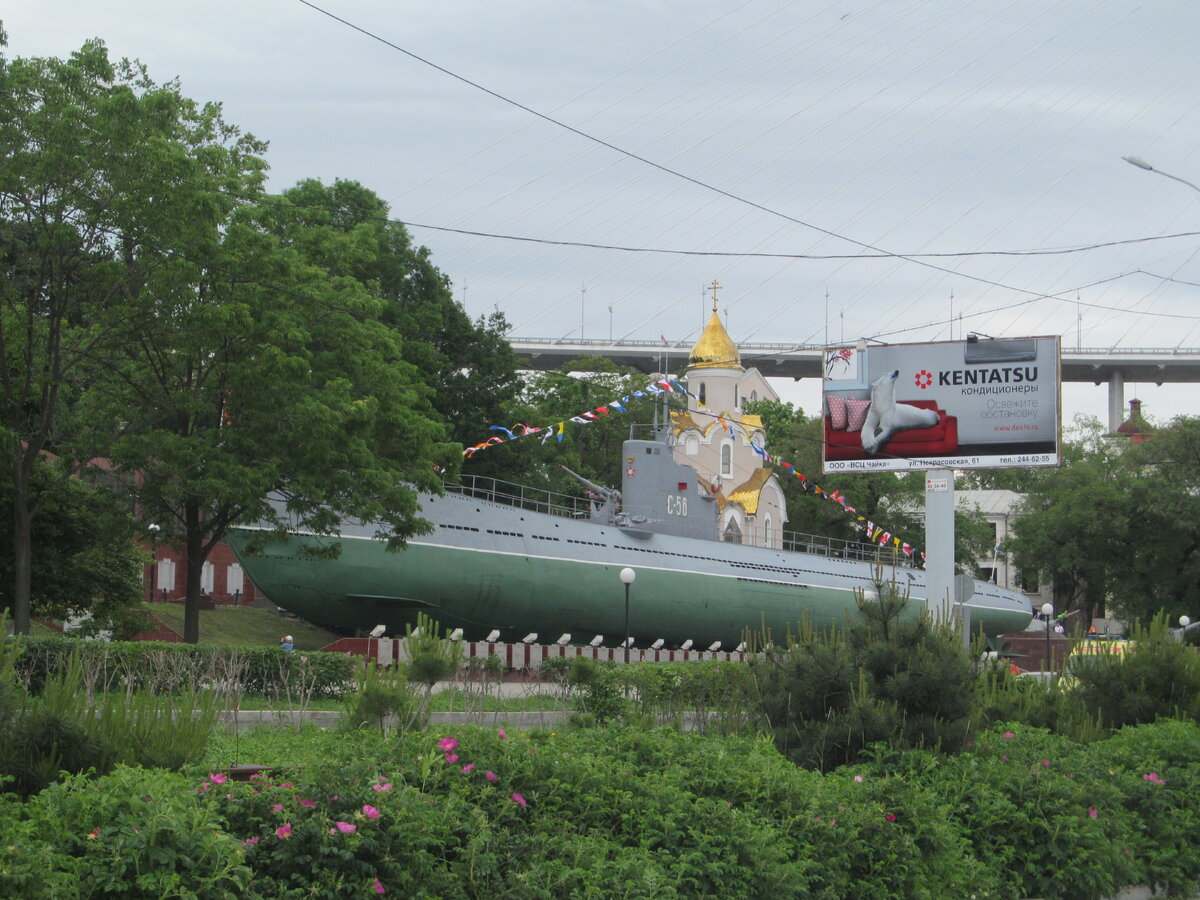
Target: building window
<point>166,576</point>
<point>700,393</point>
<point>726,459</point>
<point>753,396</point>
<point>736,401</point>
<point>234,583</point>
<point>768,532</point>
<point>206,578</point>
<point>691,445</point>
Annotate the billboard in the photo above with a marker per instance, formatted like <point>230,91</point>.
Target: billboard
<point>972,404</point>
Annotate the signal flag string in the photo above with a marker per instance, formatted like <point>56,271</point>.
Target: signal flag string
<point>876,534</point>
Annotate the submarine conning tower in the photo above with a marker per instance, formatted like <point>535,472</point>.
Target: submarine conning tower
<point>659,495</point>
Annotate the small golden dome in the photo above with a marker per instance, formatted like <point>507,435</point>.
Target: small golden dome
<point>715,349</point>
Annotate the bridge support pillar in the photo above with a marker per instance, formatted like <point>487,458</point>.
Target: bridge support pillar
<point>1116,400</point>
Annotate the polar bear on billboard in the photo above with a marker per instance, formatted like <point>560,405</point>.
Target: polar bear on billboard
<point>885,416</point>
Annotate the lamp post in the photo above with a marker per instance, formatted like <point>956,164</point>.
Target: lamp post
<point>627,578</point>
<point>153,529</point>
<point>1047,612</point>
<point>1142,164</point>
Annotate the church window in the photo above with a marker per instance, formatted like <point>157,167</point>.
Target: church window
<point>700,392</point>
<point>768,532</point>
<point>692,445</point>
<point>726,458</point>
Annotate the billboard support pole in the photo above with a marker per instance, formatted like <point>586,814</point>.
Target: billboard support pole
<point>939,543</point>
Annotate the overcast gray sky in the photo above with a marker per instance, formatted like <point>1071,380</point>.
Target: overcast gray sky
<point>804,129</point>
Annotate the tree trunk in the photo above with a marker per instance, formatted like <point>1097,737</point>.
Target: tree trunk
<point>193,541</point>
<point>23,564</point>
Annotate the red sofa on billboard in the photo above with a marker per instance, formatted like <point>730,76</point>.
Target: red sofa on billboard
<point>937,440</point>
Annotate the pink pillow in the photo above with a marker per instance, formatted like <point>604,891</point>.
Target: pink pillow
<point>856,414</point>
<point>837,413</point>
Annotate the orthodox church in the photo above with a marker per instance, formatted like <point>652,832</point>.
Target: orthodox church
<point>747,491</point>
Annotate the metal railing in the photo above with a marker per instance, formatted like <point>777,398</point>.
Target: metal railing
<point>506,493</point>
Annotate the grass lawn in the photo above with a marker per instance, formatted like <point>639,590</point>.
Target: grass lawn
<point>245,626</point>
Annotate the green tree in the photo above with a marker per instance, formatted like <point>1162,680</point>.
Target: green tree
<point>104,176</point>
<point>890,675</point>
<point>1073,527</point>
<point>261,374</point>
<point>593,449</point>
<point>87,560</point>
<point>344,227</point>
<point>1161,555</point>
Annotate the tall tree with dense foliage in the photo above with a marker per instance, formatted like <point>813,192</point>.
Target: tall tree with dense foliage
<point>1162,489</point>
<point>87,559</point>
<point>1074,524</point>
<point>261,373</point>
<point>345,228</point>
<point>105,178</point>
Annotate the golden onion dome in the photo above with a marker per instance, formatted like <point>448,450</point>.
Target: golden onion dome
<point>715,349</point>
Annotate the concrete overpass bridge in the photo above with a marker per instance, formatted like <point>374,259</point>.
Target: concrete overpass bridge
<point>1111,366</point>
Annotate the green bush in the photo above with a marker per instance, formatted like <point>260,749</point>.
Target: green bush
<point>1159,766</point>
<point>133,833</point>
<point>1001,696</point>
<point>382,697</point>
<point>165,667</point>
<point>713,695</point>
<point>64,729</point>
<point>469,811</point>
<point>888,676</point>
<point>1155,677</point>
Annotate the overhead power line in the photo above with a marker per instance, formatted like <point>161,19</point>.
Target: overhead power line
<point>920,261</point>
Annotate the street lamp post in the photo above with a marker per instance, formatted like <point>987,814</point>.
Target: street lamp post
<point>627,578</point>
<point>1047,612</point>
<point>153,529</point>
<point>1142,164</point>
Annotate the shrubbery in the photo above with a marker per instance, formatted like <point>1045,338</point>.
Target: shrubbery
<point>64,729</point>
<point>165,667</point>
<point>887,676</point>
<point>470,811</point>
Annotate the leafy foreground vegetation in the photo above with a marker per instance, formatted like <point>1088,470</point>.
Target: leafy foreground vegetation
<point>618,812</point>
<point>902,783</point>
